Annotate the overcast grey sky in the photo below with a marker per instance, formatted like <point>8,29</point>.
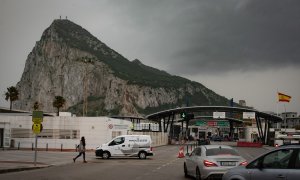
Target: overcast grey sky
<point>241,49</point>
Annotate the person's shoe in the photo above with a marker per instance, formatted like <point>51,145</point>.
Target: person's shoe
<point>74,160</point>
<point>84,161</point>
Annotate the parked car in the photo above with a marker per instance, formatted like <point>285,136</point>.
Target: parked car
<point>281,163</point>
<point>126,145</point>
<point>211,161</point>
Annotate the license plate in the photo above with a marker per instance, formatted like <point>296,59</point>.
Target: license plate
<point>228,163</point>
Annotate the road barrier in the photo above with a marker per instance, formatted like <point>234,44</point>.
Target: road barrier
<point>181,154</point>
<point>249,144</point>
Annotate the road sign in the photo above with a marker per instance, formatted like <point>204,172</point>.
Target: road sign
<point>248,115</point>
<point>219,115</point>
<point>37,117</point>
<point>212,123</point>
<point>37,128</point>
<point>223,123</point>
<point>201,123</point>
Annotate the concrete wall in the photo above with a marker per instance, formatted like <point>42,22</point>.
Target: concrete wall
<point>158,138</point>
<point>5,141</point>
<point>62,131</point>
<point>65,132</point>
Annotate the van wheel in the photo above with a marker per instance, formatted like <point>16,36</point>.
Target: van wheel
<point>105,155</point>
<point>142,155</point>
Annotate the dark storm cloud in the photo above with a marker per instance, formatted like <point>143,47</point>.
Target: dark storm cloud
<point>220,36</point>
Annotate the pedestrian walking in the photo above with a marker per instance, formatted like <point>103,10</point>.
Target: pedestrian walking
<point>81,149</point>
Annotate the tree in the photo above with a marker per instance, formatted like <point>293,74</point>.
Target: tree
<point>58,103</point>
<point>12,95</point>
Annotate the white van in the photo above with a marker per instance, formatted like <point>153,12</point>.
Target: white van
<point>126,145</point>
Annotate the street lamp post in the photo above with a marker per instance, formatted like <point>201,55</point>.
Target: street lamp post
<point>86,62</point>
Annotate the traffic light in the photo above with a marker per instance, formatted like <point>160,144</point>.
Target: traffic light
<point>186,116</point>
<point>183,115</point>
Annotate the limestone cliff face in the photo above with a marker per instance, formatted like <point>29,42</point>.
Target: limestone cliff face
<point>70,62</point>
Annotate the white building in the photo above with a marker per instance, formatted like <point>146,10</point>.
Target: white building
<point>64,132</point>
<point>60,132</point>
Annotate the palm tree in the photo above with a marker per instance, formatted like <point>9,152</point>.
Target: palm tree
<point>58,102</point>
<point>12,95</point>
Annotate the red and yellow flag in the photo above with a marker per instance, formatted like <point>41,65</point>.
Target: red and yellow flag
<point>283,97</point>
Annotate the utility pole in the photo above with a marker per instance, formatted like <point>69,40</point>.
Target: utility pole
<point>61,84</point>
<point>86,62</point>
<point>85,84</point>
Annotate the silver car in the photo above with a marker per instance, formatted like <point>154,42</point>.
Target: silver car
<point>281,163</point>
<point>211,161</point>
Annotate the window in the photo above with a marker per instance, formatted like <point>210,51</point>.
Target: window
<point>193,153</point>
<point>117,141</point>
<point>278,159</point>
<point>46,133</point>
<point>254,164</point>
<point>221,151</point>
<point>198,152</point>
<point>116,133</point>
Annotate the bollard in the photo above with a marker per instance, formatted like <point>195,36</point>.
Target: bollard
<point>47,147</point>
<point>61,147</point>
<point>187,149</point>
<point>18,145</point>
<point>32,146</point>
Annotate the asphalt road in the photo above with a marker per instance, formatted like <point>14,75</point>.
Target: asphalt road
<point>164,165</point>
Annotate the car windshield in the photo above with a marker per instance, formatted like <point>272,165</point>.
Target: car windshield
<point>221,151</point>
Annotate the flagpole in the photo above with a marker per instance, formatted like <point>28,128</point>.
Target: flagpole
<point>285,117</point>
<point>284,98</point>
<point>277,102</point>
<point>277,114</point>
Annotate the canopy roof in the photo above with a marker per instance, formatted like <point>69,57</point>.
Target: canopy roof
<point>158,115</point>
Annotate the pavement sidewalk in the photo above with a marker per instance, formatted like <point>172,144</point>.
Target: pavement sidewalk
<point>20,160</point>
<point>15,166</point>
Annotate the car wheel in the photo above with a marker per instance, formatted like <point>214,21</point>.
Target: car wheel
<point>142,155</point>
<point>198,174</point>
<point>185,171</point>
<point>105,155</point>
